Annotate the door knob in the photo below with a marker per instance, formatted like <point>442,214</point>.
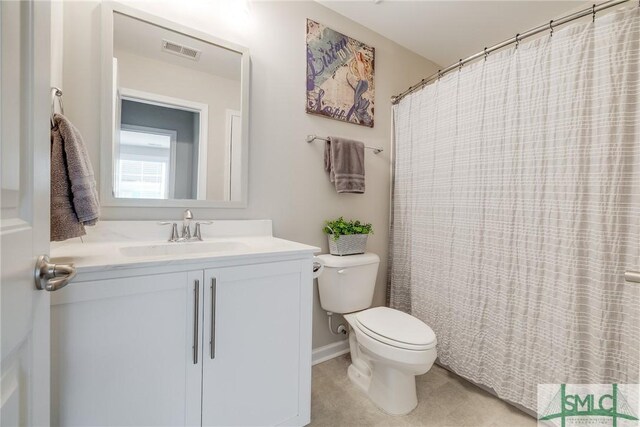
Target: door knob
<point>51,277</point>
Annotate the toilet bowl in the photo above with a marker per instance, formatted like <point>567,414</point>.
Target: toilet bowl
<point>388,347</point>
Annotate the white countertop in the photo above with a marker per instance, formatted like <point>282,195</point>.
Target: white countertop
<point>105,247</point>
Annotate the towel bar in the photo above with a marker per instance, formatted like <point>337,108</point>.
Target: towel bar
<point>311,138</point>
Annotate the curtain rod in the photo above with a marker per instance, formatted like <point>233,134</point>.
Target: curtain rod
<point>517,39</point>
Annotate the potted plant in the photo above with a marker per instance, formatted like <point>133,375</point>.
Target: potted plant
<point>347,237</point>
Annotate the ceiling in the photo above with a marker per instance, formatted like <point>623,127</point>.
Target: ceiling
<point>145,39</point>
<point>445,31</point>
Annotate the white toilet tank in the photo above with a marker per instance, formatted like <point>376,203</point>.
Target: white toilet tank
<point>347,282</point>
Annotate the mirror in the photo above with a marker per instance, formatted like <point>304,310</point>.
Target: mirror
<point>178,107</point>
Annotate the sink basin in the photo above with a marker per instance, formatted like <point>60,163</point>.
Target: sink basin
<point>186,248</point>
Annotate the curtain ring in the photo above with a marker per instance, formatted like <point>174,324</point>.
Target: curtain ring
<point>485,54</point>
<point>517,40</point>
<point>594,12</point>
<point>460,65</point>
<point>439,74</point>
<point>551,28</point>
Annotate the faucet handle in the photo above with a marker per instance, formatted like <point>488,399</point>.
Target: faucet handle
<point>197,234</point>
<point>174,230</point>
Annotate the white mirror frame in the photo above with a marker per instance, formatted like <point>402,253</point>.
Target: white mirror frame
<point>108,119</point>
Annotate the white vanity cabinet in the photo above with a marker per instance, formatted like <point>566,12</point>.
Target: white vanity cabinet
<point>216,345</point>
<point>122,352</point>
<point>252,362</point>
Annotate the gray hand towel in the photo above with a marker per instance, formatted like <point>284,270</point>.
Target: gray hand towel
<point>74,198</point>
<point>344,160</point>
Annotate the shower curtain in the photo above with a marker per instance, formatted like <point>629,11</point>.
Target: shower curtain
<point>516,211</point>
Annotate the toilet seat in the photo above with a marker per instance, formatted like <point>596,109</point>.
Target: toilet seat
<point>395,328</point>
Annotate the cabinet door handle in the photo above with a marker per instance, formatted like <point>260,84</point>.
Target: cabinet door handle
<point>212,337</point>
<point>196,305</point>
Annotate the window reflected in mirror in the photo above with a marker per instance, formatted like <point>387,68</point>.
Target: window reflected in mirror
<point>146,164</point>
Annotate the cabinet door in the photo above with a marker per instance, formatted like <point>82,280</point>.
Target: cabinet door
<point>123,351</point>
<point>255,365</point>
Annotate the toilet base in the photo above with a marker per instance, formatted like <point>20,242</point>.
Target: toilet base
<point>359,379</point>
<point>393,391</point>
<point>390,389</point>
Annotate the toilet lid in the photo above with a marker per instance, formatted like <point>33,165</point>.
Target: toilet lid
<point>402,329</point>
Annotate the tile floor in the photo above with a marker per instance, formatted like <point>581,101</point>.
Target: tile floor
<point>444,399</point>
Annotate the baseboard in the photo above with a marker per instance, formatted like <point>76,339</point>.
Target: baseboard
<point>329,351</point>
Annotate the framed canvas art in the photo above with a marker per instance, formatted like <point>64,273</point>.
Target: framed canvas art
<point>340,76</point>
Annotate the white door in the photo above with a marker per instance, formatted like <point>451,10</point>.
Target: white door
<point>252,345</point>
<point>24,212</point>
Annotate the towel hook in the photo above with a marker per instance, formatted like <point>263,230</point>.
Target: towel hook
<point>56,93</point>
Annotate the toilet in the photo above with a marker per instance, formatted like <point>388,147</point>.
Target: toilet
<point>388,347</point>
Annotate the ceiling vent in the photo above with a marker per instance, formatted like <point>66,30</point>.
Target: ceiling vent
<point>181,50</point>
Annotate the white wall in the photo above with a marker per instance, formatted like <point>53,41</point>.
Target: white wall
<point>218,93</point>
<point>287,182</point>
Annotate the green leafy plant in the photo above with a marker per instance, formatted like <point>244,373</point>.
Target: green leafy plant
<point>341,227</point>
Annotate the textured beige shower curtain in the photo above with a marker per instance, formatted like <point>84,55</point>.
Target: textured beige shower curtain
<point>516,210</point>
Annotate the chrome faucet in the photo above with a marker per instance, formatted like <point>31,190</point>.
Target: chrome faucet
<point>187,216</point>
<point>185,235</point>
